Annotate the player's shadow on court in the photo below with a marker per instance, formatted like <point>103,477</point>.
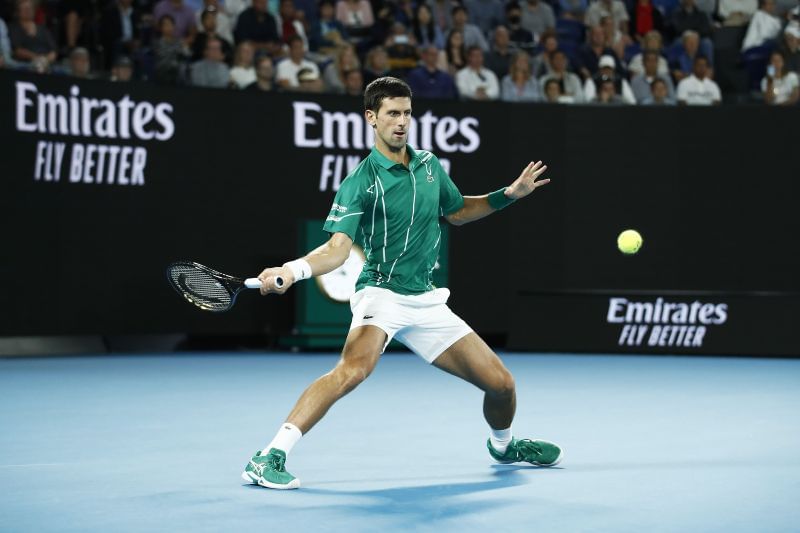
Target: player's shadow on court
<point>431,502</point>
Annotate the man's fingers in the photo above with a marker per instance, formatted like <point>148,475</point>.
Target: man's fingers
<point>541,182</point>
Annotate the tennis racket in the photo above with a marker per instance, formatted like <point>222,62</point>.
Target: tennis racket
<point>208,289</point>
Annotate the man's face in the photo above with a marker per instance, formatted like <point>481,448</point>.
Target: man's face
<point>769,6</point>
<point>597,36</point>
<point>430,57</point>
<point>392,122</point>
<point>460,18</point>
<point>691,43</point>
<point>286,9</point>
<point>559,62</point>
<point>700,68</point>
<point>209,22</point>
<point>475,58</point>
<point>552,91</point>
<point>264,70</point>
<point>501,38</point>
<point>123,72</point>
<point>79,64</point>
<point>326,11</point>
<point>260,5</point>
<point>296,50</point>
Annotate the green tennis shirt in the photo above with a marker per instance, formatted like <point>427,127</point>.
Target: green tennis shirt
<point>393,211</point>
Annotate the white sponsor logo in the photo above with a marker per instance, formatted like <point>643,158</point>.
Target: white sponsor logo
<point>79,116</point>
<point>664,323</point>
<point>336,130</point>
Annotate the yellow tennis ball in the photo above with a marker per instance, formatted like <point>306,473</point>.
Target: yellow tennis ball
<point>629,241</point>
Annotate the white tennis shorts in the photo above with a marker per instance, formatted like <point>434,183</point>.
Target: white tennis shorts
<point>422,322</point>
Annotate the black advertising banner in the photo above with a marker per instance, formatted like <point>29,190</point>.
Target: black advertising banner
<point>104,184</point>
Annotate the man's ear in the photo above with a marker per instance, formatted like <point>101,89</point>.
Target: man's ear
<point>371,118</point>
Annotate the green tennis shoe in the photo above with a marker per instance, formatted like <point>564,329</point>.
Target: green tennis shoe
<point>535,452</point>
<point>269,471</point>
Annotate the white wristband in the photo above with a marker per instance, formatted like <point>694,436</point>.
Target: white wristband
<point>300,269</point>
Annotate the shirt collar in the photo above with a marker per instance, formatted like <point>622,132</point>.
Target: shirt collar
<point>387,163</point>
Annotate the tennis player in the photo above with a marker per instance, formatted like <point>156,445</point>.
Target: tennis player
<point>391,203</point>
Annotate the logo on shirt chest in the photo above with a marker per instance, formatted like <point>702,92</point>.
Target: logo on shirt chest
<point>430,178</point>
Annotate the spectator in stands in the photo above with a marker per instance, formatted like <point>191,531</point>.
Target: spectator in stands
<point>401,47</point>
<point>327,33</point>
<point>182,15</point>
<point>357,18</point>
<point>520,38</point>
<point>258,26</point>
<point>333,76</point>
<point>234,8</point>
<point>764,25</point>
<point>443,13</point>
<point>485,14</point>
<point>475,82</point>
<point>537,17</point>
<point>687,17</point>
<point>569,83</point>
<point>5,44</point>
<point>456,52</point>
<point>780,86</point>
<point>685,61</point>
<point>209,20</point>
<point>698,88</point>
<point>607,72</point>
<point>308,81</point>
<point>376,65</point>
<point>243,72</point>
<point>428,80</point>
<point>72,16</point>
<point>498,59</point>
<point>645,18</point>
<point>425,31</point>
<point>541,63</point>
<point>31,43</point>
<point>473,36</point>
<point>607,93</point>
<point>552,91</point>
<point>608,8</point>
<point>119,30</point>
<point>614,38</point>
<point>651,43</point>
<point>170,52</point>
<point>519,85</point>
<point>659,93</point>
<point>80,64</point>
<point>289,68</point>
<point>590,54</point>
<point>790,47</point>
<point>573,9</point>
<point>264,75</point>
<point>224,23</point>
<point>354,83</point>
<point>641,83</point>
<point>122,69</point>
<point>289,22</point>
<point>736,12</point>
<point>211,71</point>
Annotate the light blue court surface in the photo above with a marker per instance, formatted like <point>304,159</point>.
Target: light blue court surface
<point>157,443</point>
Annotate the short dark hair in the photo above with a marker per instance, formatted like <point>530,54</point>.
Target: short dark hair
<point>457,8</point>
<point>512,6</point>
<point>294,38</point>
<point>386,87</point>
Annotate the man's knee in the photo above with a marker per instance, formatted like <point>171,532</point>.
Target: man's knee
<point>502,384</point>
<point>352,371</point>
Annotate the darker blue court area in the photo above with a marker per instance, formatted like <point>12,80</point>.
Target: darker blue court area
<point>157,443</point>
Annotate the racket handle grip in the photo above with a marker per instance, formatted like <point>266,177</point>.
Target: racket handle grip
<point>255,283</point>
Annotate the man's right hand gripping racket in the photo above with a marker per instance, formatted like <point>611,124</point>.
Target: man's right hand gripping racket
<point>208,289</point>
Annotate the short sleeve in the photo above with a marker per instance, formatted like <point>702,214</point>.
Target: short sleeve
<point>347,208</point>
<point>450,198</point>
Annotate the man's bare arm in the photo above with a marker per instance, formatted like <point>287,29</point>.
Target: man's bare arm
<point>477,207</point>
<point>322,260</point>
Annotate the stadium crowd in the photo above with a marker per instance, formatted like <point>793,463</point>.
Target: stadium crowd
<point>653,52</point>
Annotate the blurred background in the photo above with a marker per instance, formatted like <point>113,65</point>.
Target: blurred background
<point>138,133</point>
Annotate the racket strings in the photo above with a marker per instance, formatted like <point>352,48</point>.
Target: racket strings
<point>200,288</point>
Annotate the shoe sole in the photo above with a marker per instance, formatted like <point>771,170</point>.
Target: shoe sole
<point>252,479</point>
<point>294,484</point>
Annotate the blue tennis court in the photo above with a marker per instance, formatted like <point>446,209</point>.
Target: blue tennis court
<point>157,443</point>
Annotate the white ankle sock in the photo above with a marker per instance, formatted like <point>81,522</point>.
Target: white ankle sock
<point>285,439</point>
<point>500,439</point>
